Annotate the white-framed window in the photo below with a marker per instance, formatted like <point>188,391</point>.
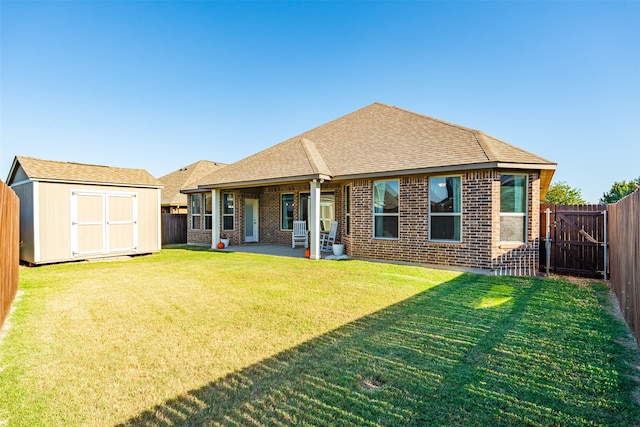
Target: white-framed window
<point>347,209</point>
<point>327,209</point>
<point>208,210</point>
<point>445,208</point>
<point>228,211</point>
<point>286,211</point>
<point>513,208</point>
<point>196,203</point>
<point>386,212</point>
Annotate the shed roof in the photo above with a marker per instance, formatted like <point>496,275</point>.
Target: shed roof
<point>376,140</point>
<point>183,178</point>
<point>55,171</point>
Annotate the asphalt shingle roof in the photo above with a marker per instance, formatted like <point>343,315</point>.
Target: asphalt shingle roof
<point>50,170</point>
<point>373,140</point>
<point>184,178</point>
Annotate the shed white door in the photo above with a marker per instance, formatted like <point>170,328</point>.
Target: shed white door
<point>103,223</point>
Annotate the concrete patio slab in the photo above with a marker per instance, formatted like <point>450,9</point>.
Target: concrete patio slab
<point>271,249</point>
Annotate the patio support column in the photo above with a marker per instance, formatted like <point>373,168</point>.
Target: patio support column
<point>215,218</point>
<point>314,219</point>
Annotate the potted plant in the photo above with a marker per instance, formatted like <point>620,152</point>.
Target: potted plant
<point>338,248</point>
<point>224,240</point>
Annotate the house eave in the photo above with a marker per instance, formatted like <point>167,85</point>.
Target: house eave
<point>260,182</point>
<point>373,175</point>
<point>444,169</point>
<point>529,166</point>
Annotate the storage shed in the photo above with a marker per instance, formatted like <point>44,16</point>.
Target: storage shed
<point>72,211</point>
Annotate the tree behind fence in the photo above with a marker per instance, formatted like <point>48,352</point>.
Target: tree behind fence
<point>9,248</point>
<point>624,257</point>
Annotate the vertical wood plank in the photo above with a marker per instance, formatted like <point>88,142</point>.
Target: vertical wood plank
<point>9,248</point>
<point>624,258</point>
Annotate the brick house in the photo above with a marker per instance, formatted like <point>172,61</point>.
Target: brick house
<point>403,187</point>
<point>175,202</point>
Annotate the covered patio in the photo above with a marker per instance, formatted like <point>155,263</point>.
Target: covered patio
<point>272,249</point>
<point>267,249</point>
<point>253,219</point>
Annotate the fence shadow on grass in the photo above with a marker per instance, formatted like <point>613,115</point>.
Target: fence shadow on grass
<point>473,351</point>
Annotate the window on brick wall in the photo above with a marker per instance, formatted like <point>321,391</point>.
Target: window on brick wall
<point>208,210</point>
<point>327,209</point>
<point>286,211</point>
<point>445,208</point>
<point>228,212</point>
<point>386,213</point>
<point>195,211</point>
<point>347,209</point>
<point>513,208</point>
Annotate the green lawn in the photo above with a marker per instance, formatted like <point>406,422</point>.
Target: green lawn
<point>192,337</point>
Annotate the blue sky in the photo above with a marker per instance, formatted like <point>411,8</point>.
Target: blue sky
<point>161,84</point>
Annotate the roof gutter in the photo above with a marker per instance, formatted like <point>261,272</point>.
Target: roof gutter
<point>422,171</point>
<point>259,182</point>
<point>451,168</point>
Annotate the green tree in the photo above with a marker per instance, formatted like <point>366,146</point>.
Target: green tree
<point>561,193</point>
<point>619,190</point>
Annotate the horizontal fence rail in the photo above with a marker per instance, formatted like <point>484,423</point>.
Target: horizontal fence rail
<point>9,248</point>
<point>578,239</point>
<point>624,257</point>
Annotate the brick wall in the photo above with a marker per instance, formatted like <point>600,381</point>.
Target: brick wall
<point>197,237</point>
<point>523,259</point>
<point>480,247</point>
<point>270,231</point>
<point>269,214</point>
<point>413,245</point>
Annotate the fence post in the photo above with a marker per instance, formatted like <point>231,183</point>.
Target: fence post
<point>548,242</point>
<point>605,244</point>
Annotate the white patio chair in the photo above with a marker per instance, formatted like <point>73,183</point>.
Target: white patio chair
<point>328,238</point>
<point>299,234</point>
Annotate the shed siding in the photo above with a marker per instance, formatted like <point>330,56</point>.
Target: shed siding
<point>19,175</point>
<point>55,219</point>
<point>25,194</point>
<point>55,222</point>
<point>149,220</point>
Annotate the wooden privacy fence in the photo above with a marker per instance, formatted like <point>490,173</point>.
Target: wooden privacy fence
<point>9,248</point>
<point>578,239</point>
<point>624,259</point>
<point>174,228</point>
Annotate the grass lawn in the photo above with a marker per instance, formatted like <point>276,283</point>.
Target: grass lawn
<point>191,337</point>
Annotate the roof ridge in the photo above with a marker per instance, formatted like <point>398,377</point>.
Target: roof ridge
<point>480,137</point>
<point>73,172</point>
<point>190,175</point>
<point>316,160</point>
<point>63,162</point>
<point>435,119</point>
<point>485,148</point>
<point>486,137</point>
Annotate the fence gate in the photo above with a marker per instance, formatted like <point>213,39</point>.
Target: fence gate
<point>578,239</point>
